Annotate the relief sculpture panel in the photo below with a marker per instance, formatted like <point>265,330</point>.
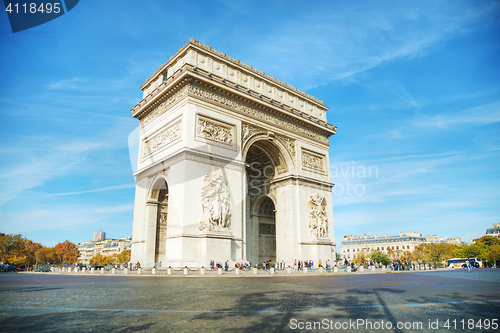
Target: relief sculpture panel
<point>313,161</point>
<point>216,203</point>
<point>162,139</point>
<point>318,218</point>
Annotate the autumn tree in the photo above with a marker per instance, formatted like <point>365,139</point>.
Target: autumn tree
<point>66,252</point>
<point>31,253</point>
<point>13,249</point>
<point>123,257</point>
<point>361,258</point>
<point>46,255</point>
<point>101,260</point>
<point>472,250</point>
<point>493,254</point>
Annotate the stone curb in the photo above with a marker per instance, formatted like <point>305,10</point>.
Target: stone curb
<point>232,274</point>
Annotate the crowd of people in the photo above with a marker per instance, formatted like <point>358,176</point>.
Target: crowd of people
<point>298,265</point>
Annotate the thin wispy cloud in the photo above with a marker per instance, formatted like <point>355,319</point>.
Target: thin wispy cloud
<point>477,116</point>
<point>338,46</point>
<point>103,189</point>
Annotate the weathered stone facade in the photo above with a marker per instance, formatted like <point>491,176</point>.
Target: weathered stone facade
<point>229,162</point>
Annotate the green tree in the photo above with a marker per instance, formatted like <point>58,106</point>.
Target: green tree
<point>487,240</point>
<point>380,257</point>
<point>471,251</point>
<point>123,257</point>
<point>493,254</point>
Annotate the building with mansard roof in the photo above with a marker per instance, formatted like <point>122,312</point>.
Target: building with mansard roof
<point>352,245</point>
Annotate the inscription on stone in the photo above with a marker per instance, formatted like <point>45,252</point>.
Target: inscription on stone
<point>267,229</point>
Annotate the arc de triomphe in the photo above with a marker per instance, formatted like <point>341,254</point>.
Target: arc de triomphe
<point>233,165</point>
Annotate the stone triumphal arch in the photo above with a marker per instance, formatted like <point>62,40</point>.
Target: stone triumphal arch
<point>233,165</point>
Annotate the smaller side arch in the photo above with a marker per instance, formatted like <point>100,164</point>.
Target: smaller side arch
<point>157,184</point>
<point>272,144</point>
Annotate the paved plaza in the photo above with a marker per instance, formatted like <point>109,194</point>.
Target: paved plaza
<point>415,301</point>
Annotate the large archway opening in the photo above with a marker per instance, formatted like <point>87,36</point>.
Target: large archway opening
<point>159,196</point>
<point>267,231</point>
<point>264,163</point>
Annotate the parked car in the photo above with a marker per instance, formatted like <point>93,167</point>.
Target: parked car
<point>42,268</point>
<point>8,268</point>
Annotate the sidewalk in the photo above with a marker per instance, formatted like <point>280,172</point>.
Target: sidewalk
<point>231,273</point>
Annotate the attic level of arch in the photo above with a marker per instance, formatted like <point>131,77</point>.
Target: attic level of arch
<point>192,82</point>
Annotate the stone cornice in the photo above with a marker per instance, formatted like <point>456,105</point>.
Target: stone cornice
<point>301,180</point>
<point>175,85</point>
<point>193,43</point>
<point>194,155</point>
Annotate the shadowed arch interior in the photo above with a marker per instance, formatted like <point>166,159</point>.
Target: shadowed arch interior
<point>267,231</point>
<point>263,162</point>
<point>159,197</point>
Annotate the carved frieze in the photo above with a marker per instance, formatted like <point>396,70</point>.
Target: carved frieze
<point>214,130</point>
<point>165,105</point>
<point>256,113</point>
<point>313,161</point>
<point>247,131</point>
<point>289,145</point>
<point>162,139</point>
<point>216,203</point>
<point>318,218</point>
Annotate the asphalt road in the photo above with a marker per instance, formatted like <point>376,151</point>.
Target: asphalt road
<point>414,302</point>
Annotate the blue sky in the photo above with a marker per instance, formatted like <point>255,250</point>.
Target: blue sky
<point>414,88</point>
